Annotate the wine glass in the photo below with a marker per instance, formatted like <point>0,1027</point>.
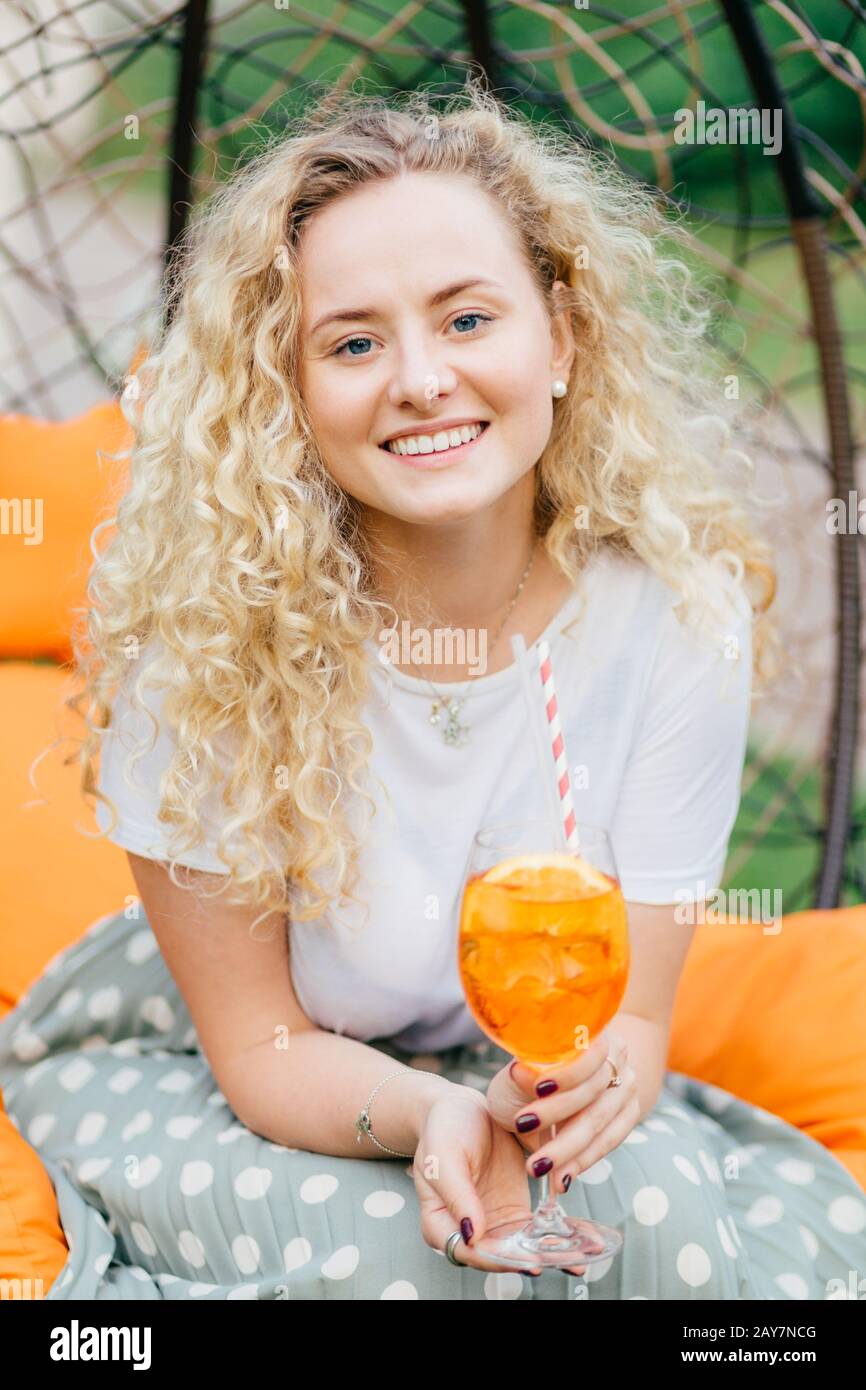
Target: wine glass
<point>543,960</point>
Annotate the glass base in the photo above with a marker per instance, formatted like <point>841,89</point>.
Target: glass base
<point>569,1241</point>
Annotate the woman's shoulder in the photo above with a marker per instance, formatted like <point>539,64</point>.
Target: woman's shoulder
<point>667,636</point>
<point>624,583</point>
<point>714,587</point>
<point>143,706</point>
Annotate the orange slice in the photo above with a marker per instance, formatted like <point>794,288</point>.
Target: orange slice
<point>549,877</point>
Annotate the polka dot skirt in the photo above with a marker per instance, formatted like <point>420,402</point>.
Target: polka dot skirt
<point>164,1194</point>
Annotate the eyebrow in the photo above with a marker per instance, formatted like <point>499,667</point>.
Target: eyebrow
<point>440,297</point>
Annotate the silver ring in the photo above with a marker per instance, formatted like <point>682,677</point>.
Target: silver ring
<point>616,1079</point>
<point>449,1247</point>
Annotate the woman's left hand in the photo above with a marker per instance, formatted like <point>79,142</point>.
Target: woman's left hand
<point>591,1116</point>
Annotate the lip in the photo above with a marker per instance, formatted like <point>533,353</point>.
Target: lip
<point>432,427</point>
<point>441,460</point>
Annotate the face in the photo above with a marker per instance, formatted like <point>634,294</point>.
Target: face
<point>412,352</point>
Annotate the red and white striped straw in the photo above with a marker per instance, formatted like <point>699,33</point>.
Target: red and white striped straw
<point>560,755</point>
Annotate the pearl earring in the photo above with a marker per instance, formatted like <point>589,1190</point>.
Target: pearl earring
<point>559,389</point>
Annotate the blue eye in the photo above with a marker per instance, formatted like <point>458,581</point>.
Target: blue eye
<point>483,318</point>
<point>461,318</point>
<point>338,352</point>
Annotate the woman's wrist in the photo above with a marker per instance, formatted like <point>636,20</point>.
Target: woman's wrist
<point>436,1088</point>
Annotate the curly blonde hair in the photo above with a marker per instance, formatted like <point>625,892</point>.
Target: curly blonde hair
<point>236,550</point>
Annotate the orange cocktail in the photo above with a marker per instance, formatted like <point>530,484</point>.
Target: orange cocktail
<point>544,953</point>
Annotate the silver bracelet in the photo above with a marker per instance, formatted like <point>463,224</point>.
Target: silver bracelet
<point>363,1125</point>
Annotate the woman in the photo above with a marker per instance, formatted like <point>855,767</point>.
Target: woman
<point>434,365</point>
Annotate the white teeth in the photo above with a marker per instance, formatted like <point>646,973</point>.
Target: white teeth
<point>436,443</point>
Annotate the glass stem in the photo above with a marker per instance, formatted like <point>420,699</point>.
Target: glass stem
<point>544,1198</point>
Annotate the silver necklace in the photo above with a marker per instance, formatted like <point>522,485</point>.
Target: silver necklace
<point>453,732</point>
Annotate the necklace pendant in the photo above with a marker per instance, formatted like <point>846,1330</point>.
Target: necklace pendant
<point>455,733</point>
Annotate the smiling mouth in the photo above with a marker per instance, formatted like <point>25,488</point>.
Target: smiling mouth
<point>429,451</point>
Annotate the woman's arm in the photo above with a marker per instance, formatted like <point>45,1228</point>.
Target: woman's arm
<point>647,1043</point>
<point>284,1078</point>
<point>309,1095</point>
<point>659,946</point>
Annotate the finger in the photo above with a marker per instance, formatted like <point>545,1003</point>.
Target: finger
<point>521,1080</point>
<point>604,1143</point>
<point>539,1115</point>
<point>575,1136</point>
<point>554,1109</point>
<point>462,1210</point>
<point>568,1074</point>
<point>436,1232</point>
<point>506,1101</point>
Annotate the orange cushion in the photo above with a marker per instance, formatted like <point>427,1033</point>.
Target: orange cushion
<point>54,882</point>
<point>33,1248</point>
<point>779,1020</point>
<point>62,488</point>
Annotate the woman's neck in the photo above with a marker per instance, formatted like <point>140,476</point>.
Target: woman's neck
<point>442,584</point>
<point>463,573</point>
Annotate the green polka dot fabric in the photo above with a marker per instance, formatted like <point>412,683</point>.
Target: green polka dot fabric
<point>164,1194</point>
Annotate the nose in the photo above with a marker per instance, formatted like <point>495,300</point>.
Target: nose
<point>421,377</point>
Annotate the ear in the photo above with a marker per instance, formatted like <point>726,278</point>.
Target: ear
<point>563,347</point>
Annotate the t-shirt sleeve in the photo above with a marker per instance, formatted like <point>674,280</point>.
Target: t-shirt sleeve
<point>682,783</point>
<point>136,794</point>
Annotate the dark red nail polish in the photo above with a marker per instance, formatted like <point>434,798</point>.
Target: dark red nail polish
<point>566,1182</point>
<point>466,1229</point>
<point>527,1122</point>
<point>542,1166</point>
<point>546,1088</point>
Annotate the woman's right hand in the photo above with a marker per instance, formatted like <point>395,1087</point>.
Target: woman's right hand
<point>467,1166</point>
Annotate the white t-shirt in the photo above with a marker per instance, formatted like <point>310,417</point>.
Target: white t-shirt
<point>655,722</point>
